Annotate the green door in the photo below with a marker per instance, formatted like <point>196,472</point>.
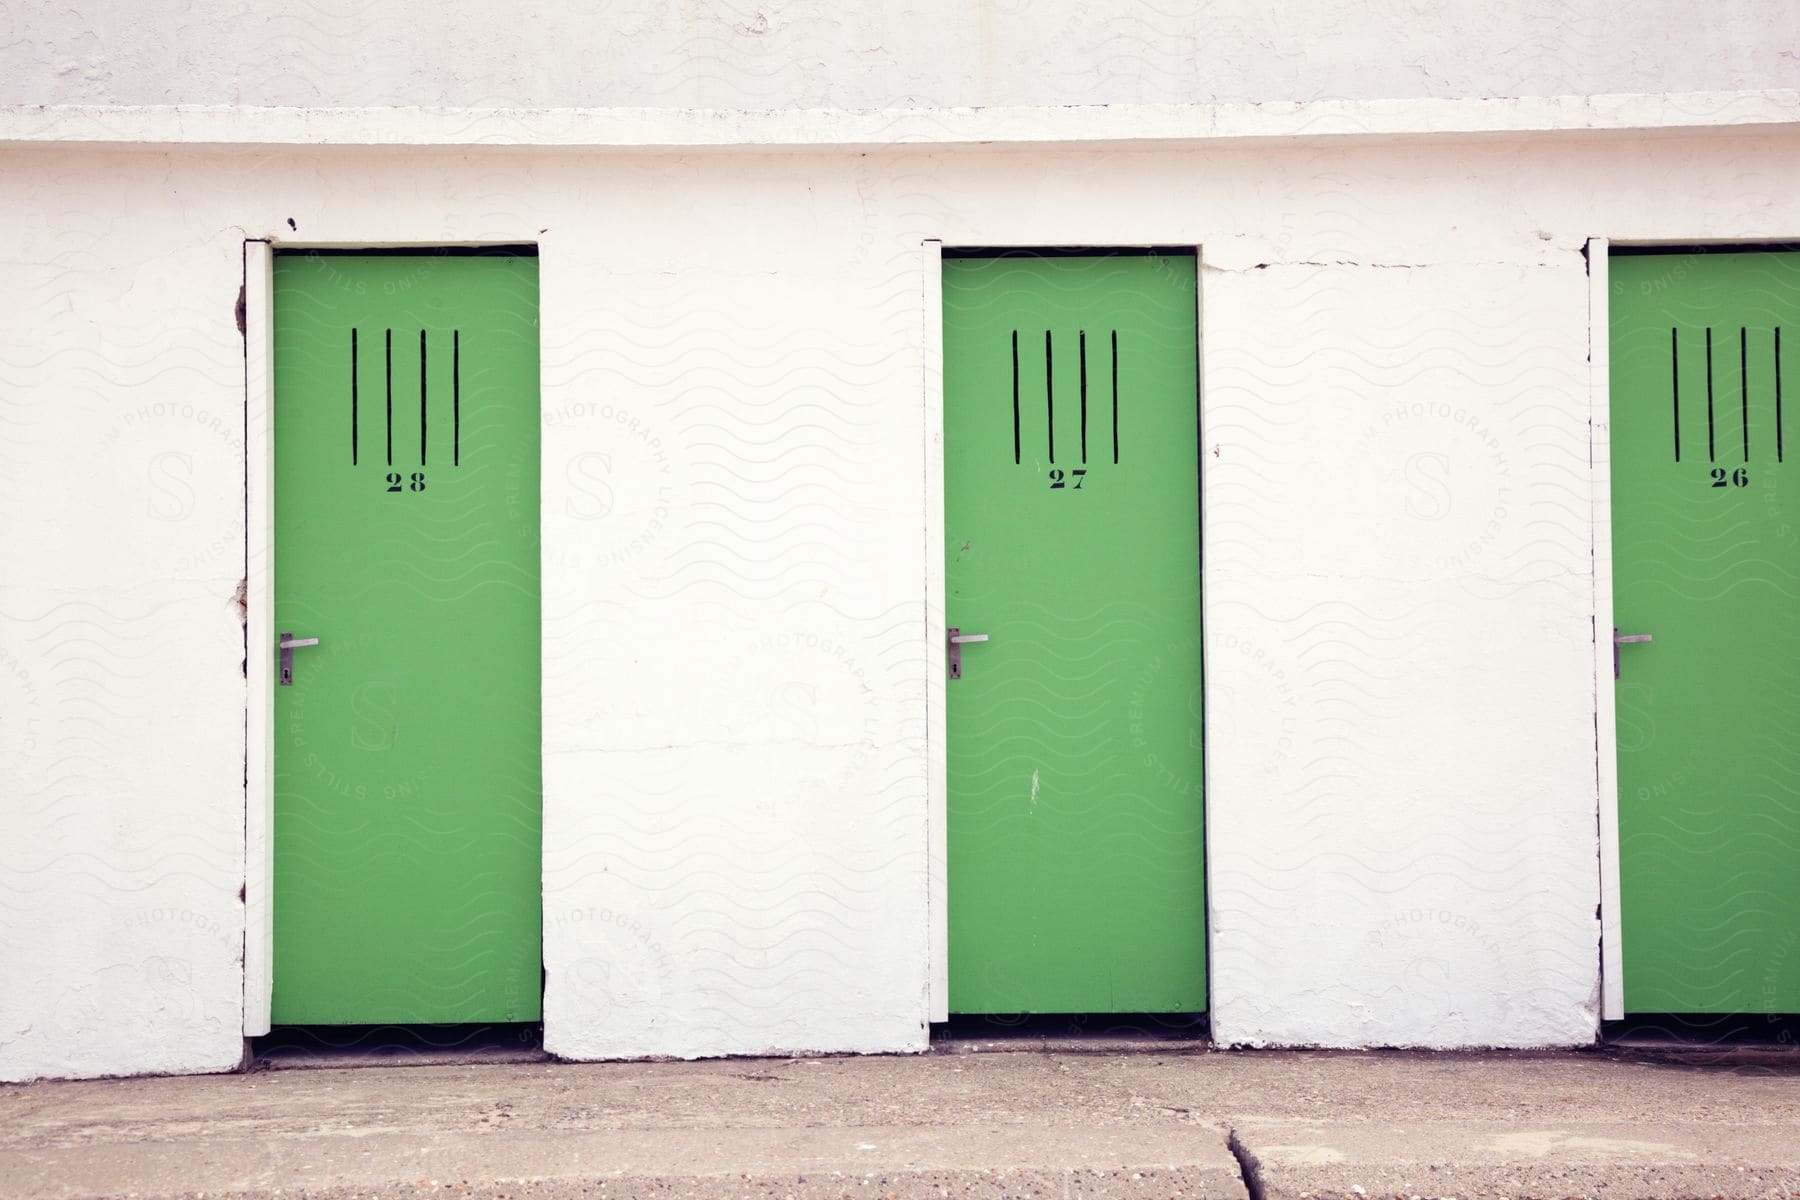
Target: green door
<point>1706,562</point>
<point>407,769</point>
<point>1076,872</point>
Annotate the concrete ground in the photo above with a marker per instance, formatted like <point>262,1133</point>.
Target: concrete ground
<point>1016,1123</point>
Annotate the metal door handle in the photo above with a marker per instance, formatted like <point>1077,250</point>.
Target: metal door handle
<point>287,643</point>
<point>957,638</point>
<point>1624,639</point>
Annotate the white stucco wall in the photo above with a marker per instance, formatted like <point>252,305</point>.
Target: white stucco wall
<point>1401,777</point>
<point>121,688</point>
<point>747,54</point>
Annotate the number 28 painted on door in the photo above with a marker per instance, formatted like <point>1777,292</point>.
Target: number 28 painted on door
<point>395,480</point>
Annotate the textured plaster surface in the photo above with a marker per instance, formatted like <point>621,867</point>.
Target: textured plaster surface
<point>744,54</point>
<point>1399,583</point>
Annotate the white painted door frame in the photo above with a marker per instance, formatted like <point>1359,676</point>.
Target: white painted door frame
<point>937,779</point>
<point>259,633</point>
<point>1606,745</point>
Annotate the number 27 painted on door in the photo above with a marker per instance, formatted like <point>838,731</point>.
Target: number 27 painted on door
<point>1069,479</point>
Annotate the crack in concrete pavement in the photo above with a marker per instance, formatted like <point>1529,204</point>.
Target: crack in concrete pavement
<point>1248,1165</point>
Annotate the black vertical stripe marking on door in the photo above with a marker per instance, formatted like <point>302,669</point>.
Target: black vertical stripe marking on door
<point>1675,386</point>
<point>353,399</point>
<point>421,397</point>
<point>1744,386</point>
<point>1115,395</point>
<point>390,397</point>
<point>1015,350</point>
<point>1778,393</point>
<point>1083,346</point>
<point>1711,456</point>
<point>1050,393</point>
<point>456,398</point>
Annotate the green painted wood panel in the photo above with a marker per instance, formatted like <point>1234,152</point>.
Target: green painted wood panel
<point>1075,838</point>
<point>407,751</point>
<point>1706,560</point>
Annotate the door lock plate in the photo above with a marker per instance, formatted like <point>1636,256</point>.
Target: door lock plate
<point>287,644</point>
<point>955,643</point>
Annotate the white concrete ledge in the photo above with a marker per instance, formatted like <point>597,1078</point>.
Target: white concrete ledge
<point>642,128</point>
